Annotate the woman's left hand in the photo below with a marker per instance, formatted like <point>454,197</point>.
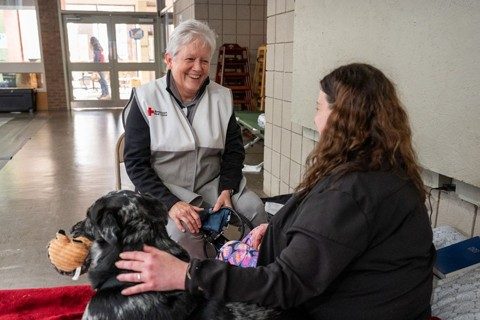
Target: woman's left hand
<point>152,269</point>
<point>223,200</point>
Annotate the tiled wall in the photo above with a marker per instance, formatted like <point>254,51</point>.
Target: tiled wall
<point>235,21</point>
<point>286,143</point>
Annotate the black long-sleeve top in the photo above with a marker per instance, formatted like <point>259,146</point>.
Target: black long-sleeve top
<point>355,248</point>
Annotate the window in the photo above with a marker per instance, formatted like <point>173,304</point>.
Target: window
<point>20,53</point>
<point>19,41</point>
<point>109,5</point>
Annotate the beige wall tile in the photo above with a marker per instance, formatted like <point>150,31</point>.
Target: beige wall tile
<point>294,174</point>
<point>289,5</point>
<point>270,63</point>
<point>276,139</point>
<point>297,128</point>
<point>267,159</point>
<point>243,41</point>
<point>284,188</point>
<point>275,186</point>
<point>269,83</point>
<point>279,57</point>
<point>308,133</point>
<point>215,11</point>
<point>201,11</point>
<point>267,183</point>
<point>258,3</point>
<point>277,112</point>
<point>286,115</point>
<point>289,26</point>
<point>243,27</point>
<point>270,7</point>
<point>279,6</point>
<point>281,28</point>
<point>229,1</point>
<point>286,142</point>
<point>229,27</point>
<point>229,38</point>
<point>179,6</point>
<point>243,2</point>
<point>255,42</point>
<point>215,1</point>
<point>275,164</point>
<point>287,86</point>
<point>307,147</point>
<point>271,29</point>
<point>284,169</point>
<point>269,109</point>
<point>256,27</point>
<point>268,141</point>
<point>243,12</point>
<point>288,57</point>
<point>217,26</point>
<point>257,13</point>
<point>296,148</point>
<point>229,12</point>
<point>278,85</point>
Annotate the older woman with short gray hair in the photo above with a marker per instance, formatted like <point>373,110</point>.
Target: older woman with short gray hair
<point>182,142</point>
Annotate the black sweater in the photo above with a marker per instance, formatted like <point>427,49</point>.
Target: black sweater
<point>358,247</point>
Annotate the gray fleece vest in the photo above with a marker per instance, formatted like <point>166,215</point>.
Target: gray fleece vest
<point>183,154</point>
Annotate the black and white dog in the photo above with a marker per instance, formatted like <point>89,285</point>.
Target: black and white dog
<point>125,221</point>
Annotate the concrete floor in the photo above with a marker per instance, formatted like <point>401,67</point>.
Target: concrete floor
<point>51,181</point>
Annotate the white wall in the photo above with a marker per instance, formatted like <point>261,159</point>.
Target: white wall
<point>430,49</point>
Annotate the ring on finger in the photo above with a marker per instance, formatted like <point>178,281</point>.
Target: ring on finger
<point>139,276</point>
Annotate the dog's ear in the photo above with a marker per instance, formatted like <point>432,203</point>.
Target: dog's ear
<point>103,220</point>
<point>154,209</point>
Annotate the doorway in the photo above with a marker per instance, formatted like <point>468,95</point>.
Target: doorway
<point>109,54</point>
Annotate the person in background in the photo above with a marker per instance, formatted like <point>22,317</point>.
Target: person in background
<point>354,241</point>
<point>183,144</point>
<point>98,57</point>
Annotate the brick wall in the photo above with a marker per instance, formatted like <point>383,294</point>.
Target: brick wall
<point>52,54</point>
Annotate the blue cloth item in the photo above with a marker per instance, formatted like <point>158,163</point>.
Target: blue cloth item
<point>215,221</point>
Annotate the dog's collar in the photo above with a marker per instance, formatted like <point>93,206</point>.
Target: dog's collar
<point>111,282</point>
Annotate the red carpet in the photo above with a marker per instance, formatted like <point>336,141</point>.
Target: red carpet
<point>58,303</point>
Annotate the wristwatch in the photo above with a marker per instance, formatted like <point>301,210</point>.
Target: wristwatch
<point>231,192</point>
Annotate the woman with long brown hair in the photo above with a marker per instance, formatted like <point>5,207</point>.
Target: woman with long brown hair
<point>354,242</point>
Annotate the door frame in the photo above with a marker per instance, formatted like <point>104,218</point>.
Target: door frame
<point>112,66</point>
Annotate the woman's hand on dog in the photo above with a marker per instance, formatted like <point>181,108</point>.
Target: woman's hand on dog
<point>152,269</point>
<point>185,214</point>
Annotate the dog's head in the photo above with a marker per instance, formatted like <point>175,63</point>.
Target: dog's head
<point>124,221</point>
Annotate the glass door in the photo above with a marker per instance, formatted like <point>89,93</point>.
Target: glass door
<point>108,55</point>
